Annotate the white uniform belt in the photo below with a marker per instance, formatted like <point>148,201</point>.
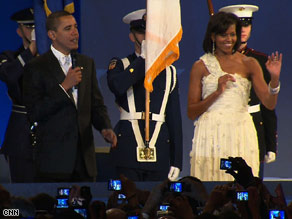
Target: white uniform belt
<point>254,108</point>
<point>19,109</point>
<point>124,115</point>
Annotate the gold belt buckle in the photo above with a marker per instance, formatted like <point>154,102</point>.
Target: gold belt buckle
<point>146,154</point>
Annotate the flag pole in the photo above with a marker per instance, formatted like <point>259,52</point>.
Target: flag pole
<point>147,109</point>
<point>210,7</point>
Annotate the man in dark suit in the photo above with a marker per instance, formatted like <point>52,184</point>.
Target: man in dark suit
<point>126,80</point>
<point>17,143</point>
<point>63,101</point>
<point>265,120</point>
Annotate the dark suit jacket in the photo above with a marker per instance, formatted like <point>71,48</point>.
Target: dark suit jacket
<point>62,126</point>
<point>169,141</point>
<point>266,120</point>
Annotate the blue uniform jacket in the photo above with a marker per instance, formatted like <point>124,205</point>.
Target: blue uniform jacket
<point>169,142</point>
<point>17,136</point>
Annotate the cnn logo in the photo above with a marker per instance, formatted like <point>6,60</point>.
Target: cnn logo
<point>11,212</point>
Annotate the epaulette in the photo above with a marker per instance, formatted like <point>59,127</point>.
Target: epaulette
<point>249,50</point>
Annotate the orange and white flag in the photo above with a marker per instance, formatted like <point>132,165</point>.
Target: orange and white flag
<point>163,33</point>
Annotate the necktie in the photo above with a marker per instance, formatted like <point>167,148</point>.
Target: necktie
<point>66,63</point>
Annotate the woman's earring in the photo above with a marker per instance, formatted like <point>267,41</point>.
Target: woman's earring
<point>213,48</point>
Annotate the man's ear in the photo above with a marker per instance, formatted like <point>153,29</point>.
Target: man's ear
<point>52,34</point>
<point>19,32</point>
<point>132,38</point>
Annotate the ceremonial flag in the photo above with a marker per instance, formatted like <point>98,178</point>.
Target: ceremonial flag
<point>43,8</point>
<point>163,33</point>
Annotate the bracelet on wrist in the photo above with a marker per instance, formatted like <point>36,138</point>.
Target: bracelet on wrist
<point>275,90</point>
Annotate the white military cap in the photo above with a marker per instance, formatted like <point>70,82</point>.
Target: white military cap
<point>243,12</point>
<point>137,20</point>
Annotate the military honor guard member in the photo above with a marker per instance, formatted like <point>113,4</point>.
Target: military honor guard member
<point>265,120</point>
<point>126,80</point>
<point>17,146</point>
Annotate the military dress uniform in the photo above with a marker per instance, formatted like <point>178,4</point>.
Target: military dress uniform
<point>126,80</point>
<point>17,142</point>
<point>265,120</point>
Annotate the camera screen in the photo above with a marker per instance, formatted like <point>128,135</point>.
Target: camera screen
<point>163,207</point>
<point>175,187</point>
<point>114,185</point>
<point>81,211</point>
<point>225,164</point>
<point>62,203</point>
<point>242,196</point>
<point>121,196</point>
<point>63,191</point>
<point>277,214</point>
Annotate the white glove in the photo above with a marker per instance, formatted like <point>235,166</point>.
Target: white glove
<point>173,173</point>
<point>32,35</point>
<point>270,157</point>
<point>143,49</point>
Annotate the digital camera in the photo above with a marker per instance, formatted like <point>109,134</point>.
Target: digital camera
<point>242,196</point>
<point>62,202</point>
<point>114,185</point>
<point>176,186</point>
<point>225,164</point>
<point>63,191</point>
<point>279,214</point>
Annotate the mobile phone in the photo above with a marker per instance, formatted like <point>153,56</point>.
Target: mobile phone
<point>242,196</point>
<point>279,214</point>
<point>63,191</point>
<point>81,211</point>
<point>176,187</point>
<point>133,217</point>
<point>62,202</point>
<point>225,164</point>
<point>163,207</point>
<point>121,198</point>
<point>114,185</point>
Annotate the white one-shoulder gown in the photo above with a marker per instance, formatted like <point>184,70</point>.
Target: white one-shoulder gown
<point>225,129</point>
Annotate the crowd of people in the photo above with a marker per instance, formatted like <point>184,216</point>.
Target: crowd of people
<point>246,197</point>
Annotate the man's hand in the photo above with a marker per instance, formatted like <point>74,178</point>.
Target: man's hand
<point>74,77</point>
<point>109,136</point>
<point>270,157</point>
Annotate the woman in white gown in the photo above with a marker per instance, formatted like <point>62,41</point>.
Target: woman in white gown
<point>218,98</point>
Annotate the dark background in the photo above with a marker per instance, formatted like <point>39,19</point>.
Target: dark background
<point>103,35</point>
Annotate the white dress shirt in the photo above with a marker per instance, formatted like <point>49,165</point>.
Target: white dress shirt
<point>65,63</point>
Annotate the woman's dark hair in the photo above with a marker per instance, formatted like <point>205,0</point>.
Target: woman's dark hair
<point>218,24</point>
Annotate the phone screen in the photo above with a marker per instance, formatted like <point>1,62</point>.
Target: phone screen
<point>62,203</point>
<point>114,185</point>
<point>277,214</point>
<point>63,191</point>
<point>176,187</point>
<point>81,211</point>
<point>242,196</point>
<point>225,164</point>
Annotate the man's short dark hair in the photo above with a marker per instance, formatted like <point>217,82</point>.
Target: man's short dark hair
<point>53,19</point>
<point>218,24</point>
